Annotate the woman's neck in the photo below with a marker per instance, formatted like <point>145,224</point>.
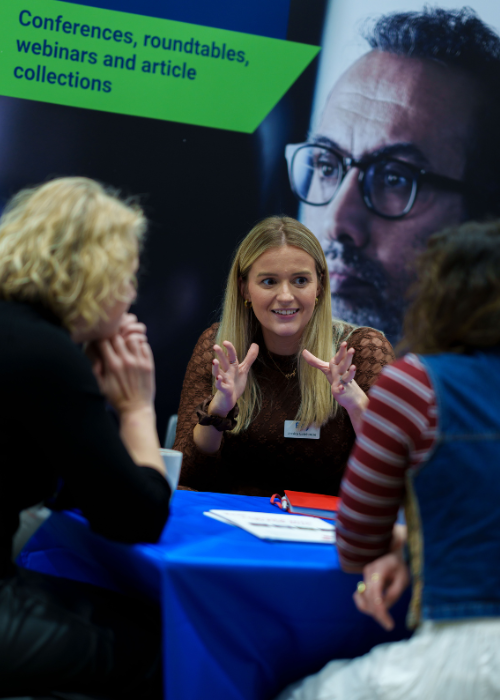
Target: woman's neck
<point>279,345</point>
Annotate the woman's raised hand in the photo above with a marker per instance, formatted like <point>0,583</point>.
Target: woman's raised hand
<point>340,373</point>
<point>230,376</point>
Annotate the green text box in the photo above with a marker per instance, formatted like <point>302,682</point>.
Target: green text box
<point>111,61</point>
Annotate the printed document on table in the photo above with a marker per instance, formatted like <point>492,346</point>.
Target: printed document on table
<point>278,526</point>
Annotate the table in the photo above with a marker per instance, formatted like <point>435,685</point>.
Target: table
<point>242,617</point>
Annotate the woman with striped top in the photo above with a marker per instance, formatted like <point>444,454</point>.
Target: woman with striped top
<point>431,439</point>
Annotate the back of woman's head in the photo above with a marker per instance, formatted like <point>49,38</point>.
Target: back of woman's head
<point>70,245</point>
<point>456,305</point>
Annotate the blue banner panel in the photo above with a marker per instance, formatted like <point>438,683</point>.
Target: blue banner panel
<point>257,17</point>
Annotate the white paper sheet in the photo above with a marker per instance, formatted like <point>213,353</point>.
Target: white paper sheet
<point>279,526</point>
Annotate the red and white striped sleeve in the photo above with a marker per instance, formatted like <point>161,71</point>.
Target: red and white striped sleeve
<point>398,432</point>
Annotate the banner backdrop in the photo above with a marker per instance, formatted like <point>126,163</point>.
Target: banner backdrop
<point>200,150</point>
<point>406,121</point>
<point>189,106</point>
<point>118,62</point>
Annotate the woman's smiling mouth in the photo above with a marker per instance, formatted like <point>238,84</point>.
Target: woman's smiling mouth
<point>285,312</point>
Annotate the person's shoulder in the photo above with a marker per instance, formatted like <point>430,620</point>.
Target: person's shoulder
<point>210,333</point>
<point>203,351</point>
<point>369,340</point>
<point>32,331</point>
<point>361,334</point>
<point>408,379</point>
<point>207,338</point>
<point>409,365</point>
<point>39,348</point>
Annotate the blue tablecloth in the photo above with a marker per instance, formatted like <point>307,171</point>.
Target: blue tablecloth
<point>242,617</point>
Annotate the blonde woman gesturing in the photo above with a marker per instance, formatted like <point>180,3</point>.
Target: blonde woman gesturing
<point>255,416</point>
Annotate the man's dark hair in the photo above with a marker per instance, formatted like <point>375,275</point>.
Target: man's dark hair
<point>460,39</point>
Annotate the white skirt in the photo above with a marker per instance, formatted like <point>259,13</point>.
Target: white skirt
<point>442,661</point>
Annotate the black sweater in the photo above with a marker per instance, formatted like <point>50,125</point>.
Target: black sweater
<point>56,437</point>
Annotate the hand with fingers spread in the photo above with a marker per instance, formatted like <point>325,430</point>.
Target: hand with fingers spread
<point>230,381</point>
<point>385,580</point>
<point>340,373</point>
<point>230,376</point>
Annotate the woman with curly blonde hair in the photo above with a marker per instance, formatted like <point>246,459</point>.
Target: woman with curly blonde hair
<point>258,417</point>
<point>68,257</point>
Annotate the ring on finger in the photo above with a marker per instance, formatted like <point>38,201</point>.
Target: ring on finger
<point>375,577</point>
<point>343,382</point>
<point>361,587</point>
<point>235,362</point>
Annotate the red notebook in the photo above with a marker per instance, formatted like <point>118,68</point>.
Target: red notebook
<point>310,504</point>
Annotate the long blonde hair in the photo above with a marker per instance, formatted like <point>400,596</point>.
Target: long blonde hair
<point>239,325</point>
<point>69,244</point>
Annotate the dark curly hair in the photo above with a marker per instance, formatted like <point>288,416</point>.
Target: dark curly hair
<point>457,38</point>
<point>456,299</point>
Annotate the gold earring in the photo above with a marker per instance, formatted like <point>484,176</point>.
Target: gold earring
<point>316,301</point>
<point>248,303</point>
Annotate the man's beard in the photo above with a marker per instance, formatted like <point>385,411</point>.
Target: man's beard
<point>372,303</point>
<point>388,319</point>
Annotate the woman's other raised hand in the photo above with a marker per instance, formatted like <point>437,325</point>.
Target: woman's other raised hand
<point>340,372</point>
<point>230,376</point>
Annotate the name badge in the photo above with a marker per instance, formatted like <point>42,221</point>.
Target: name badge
<point>292,431</point>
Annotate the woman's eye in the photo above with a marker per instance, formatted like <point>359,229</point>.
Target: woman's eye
<point>301,281</point>
<point>268,282</point>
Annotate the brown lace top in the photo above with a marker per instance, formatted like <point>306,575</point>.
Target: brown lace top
<point>261,461</point>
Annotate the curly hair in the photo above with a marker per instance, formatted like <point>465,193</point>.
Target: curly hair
<point>456,304</point>
<point>460,39</point>
<point>71,245</point>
